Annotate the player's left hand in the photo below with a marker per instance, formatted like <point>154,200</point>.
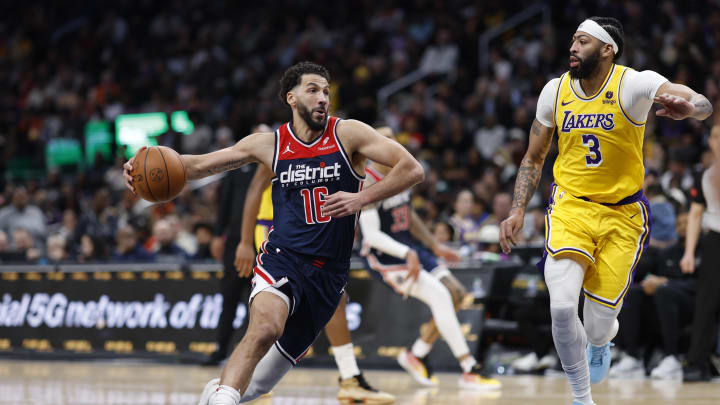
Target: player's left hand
<point>446,252</point>
<point>675,107</point>
<point>342,204</point>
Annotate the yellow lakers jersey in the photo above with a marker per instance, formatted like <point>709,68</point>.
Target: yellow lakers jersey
<point>266,206</point>
<point>600,146</point>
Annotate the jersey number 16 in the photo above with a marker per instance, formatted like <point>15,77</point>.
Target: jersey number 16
<point>314,200</point>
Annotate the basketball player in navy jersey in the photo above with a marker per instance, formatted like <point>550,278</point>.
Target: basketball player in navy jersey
<point>404,254</point>
<point>301,272</point>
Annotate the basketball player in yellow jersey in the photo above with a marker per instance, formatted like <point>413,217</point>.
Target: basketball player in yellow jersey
<point>256,224</point>
<point>597,223</point>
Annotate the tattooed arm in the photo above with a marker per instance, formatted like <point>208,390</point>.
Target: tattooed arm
<point>526,182</point>
<point>253,148</point>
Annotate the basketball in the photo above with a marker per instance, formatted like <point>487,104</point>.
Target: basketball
<point>158,174</point>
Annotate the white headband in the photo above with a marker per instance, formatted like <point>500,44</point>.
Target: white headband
<point>594,29</point>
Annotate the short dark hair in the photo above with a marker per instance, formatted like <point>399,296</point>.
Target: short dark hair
<point>293,76</point>
<point>615,29</point>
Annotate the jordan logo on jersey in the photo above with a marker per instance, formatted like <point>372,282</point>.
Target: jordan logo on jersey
<point>288,150</point>
<point>303,174</point>
<point>574,121</point>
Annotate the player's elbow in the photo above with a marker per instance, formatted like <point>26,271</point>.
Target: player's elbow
<point>416,173</point>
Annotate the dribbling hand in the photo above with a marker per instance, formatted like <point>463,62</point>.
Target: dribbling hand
<point>509,229</point>
<point>127,170</point>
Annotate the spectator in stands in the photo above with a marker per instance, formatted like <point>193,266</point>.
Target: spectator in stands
<point>128,249</point>
<point>24,246</point>
<point>500,209</point>
<point>56,248</point>
<point>4,244</point>
<point>444,232</point>
<point>67,226</point>
<point>674,297</point>
<point>92,250</point>
<point>98,222</point>
<point>203,235</point>
<point>465,225</point>
<point>20,214</point>
<point>660,298</point>
<point>678,173</point>
<point>166,250</point>
<point>663,218</point>
<point>441,57</point>
<point>490,137</point>
<point>180,235</point>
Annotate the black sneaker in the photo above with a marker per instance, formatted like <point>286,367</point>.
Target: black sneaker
<point>693,373</point>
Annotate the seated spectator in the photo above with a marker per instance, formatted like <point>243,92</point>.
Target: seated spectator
<point>57,248</point>
<point>128,248</point>
<point>21,214</point>
<point>443,232</point>
<point>166,250</point>
<point>203,235</point>
<point>466,226</point>
<point>100,221</point>
<point>24,246</point>
<point>660,298</point>
<point>501,204</point>
<point>92,250</point>
<point>663,218</point>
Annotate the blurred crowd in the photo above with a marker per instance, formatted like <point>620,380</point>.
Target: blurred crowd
<point>64,64</point>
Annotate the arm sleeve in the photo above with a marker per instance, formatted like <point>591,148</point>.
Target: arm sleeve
<point>696,192</point>
<point>638,91</point>
<point>376,238</point>
<point>545,113</point>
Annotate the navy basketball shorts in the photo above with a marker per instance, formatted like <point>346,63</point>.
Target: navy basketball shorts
<point>311,287</point>
<point>393,271</point>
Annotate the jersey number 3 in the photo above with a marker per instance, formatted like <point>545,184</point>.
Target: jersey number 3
<point>314,200</point>
<point>594,158</point>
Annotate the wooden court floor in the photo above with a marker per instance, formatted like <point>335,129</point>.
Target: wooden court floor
<point>127,383</point>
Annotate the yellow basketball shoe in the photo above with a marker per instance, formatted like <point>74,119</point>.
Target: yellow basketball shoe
<point>356,390</point>
<point>477,380</point>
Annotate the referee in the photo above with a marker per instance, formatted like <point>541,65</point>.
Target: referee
<point>705,196</point>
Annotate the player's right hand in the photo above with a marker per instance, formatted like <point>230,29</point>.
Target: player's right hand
<point>244,259</point>
<point>687,263</point>
<point>509,228</point>
<point>127,170</point>
<point>413,264</point>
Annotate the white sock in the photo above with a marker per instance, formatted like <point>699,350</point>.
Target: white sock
<point>467,363</point>
<point>421,348</point>
<point>579,377</point>
<point>345,360</point>
<point>225,395</point>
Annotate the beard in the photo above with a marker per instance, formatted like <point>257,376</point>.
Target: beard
<point>307,116</point>
<point>586,67</point>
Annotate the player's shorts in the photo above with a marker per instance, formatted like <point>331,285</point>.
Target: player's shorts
<point>311,287</point>
<point>609,238</point>
<point>393,271</point>
<point>262,229</point>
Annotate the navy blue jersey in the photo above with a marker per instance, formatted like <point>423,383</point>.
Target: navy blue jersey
<point>394,212</point>
<point>304,175</point>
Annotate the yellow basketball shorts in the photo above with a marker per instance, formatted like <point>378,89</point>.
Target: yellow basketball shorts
<point>262,229</point>
<point>609,239</point>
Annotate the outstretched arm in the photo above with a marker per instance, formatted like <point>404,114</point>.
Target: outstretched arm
<point>362,139</point>
<point>526,182</point>
<point>680,102</point>
<point>257,147</point>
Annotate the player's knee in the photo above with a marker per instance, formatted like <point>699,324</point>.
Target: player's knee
<point>563,316</point>
<point>265,334</point>
<point>596,334</point>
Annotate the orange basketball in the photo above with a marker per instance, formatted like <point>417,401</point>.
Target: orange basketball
<point>158,174</point>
